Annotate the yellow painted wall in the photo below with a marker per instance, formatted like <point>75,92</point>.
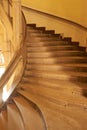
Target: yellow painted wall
<point>74,10</point>
<point>1,37</point>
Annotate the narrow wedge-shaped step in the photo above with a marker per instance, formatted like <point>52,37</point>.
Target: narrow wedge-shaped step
<point>4,120</point>
<point>32,115</point>
<point>15,119</point>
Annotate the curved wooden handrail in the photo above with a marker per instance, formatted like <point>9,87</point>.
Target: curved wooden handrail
<point>12,65</point>
<point>23,26</point>
<point>5,77</point>
<point>56,17</point>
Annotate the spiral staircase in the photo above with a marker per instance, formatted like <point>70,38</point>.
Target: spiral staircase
<point>52,93</point>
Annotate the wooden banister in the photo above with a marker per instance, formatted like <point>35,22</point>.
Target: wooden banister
<point>19,55</point>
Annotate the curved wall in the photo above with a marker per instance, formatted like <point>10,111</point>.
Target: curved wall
<point>51,23</point>
<point>74,10</point>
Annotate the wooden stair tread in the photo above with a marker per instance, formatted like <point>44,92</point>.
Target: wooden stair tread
<point>30,113</point>
<point>57,60</point>
<point>73,87</point>
<point>52,48</point>
<point>14,118</point>
<point>40,34</point>
<point>46,43</point>
<point>65,68</point>
<point>63,58</point>
<point>3,120</point>
<point>48,50</point>
<point>70,89</point>
<point>53,93</point>
<point>50,43</point>
<point>55,73</point>
<point>40,53</point>
<point>56,66</point>
<point>61,99</point>
<point>53,111</point>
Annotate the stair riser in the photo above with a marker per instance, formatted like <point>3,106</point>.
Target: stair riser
<point>32,25</point>
<point>69,39</point>
<point>49,32</point>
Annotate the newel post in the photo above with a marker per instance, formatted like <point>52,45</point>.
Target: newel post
<point>17,25</point>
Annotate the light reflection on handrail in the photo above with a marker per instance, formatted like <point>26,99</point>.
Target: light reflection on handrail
<point>13,81</point>
<point>9,69</point>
